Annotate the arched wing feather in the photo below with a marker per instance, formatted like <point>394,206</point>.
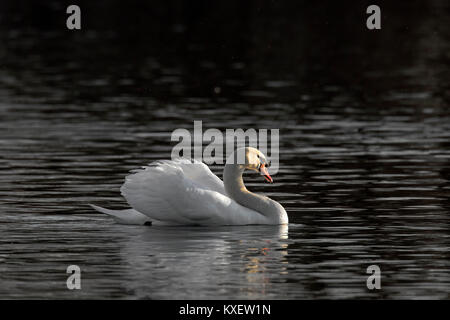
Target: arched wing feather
<point>179,191</point>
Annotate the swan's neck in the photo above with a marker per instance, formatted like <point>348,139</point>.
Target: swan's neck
<point>235,188</point>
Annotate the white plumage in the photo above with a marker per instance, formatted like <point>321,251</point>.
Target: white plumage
<point>183,192</point>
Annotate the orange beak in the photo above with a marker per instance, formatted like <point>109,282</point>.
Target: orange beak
<point>265,173</point>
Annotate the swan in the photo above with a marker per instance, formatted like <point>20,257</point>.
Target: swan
<point>186,192</point>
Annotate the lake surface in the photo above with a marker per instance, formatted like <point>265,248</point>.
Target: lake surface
<point>364,125</point>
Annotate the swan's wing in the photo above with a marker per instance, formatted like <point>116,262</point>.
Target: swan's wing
<point>199,173</point>
<point>173,191</point>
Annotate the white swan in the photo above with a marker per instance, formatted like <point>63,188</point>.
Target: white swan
<point>186,192</point>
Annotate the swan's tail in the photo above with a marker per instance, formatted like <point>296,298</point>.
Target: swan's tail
<point>127,216</point>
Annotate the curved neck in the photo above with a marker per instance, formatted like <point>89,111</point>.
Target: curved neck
<point>235,188</point>
<point>233,182</point>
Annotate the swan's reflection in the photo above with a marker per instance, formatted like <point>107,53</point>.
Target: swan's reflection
<point>203,262</point>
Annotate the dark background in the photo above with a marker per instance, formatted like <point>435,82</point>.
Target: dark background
<point>316,42</point>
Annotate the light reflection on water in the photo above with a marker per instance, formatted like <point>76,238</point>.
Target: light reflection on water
<point>364,167</point>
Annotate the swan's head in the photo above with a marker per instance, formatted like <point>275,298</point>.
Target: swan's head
<point>255,160</point>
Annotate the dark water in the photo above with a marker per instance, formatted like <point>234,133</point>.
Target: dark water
<point>364,120</point>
